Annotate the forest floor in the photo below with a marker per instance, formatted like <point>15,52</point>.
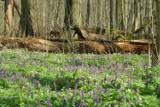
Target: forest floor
<point>40,79</point>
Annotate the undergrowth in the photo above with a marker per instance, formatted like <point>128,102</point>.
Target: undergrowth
<point>30,79</point>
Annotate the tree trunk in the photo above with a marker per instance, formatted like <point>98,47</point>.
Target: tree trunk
<point>72,15</point>
<point>75,13</point>
<point>119,15</point>
<point>67,14</point>
<point>111,16</point>
<point>156,56</point>
<point>8,26</point>
<point>16,6</point>
<point>26,26</point>
<point>88,13</point>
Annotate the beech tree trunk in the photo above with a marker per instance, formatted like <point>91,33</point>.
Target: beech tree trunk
<point>119,15</point>
<point>26,26</point>
<point>9,6</point>
<point>111,16</point>
<point>8,23</point>
<point>75,13</point>
<point>72,15</point>
<point>156,59</point>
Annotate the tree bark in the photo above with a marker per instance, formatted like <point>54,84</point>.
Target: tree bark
<point>88,13</point>
<point>8,23</point>
<point>17,7</point>
<point>67,14</point>
<point>72,16</point>
<point>111,16</point>
<point>26,26</point>
<point>75,13</point>
<point>156,56</point>
<point>9,13</point>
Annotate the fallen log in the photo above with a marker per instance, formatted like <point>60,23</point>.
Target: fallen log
<point>90,47</point>
<point>34,44</point>
<point>127,47</point>
<point>84,35</point>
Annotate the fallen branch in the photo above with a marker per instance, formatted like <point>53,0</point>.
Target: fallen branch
<point>143,27</point>
<point>84,35</point>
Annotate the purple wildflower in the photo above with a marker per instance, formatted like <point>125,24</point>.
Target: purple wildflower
<point>102,90</point>
<point>93,70</point>
<point>82,94</point>
<point>48,101</point>
<point>36,83</point>
<point>91,94</point>
<point>109,67</point>
<point>136,100</point>
<point>118,73</point>
<point>116,66</point>
<point>101,68</point>
<point>95,101</point>
<point>120,89</point>
<point>3,73</point>
<point>137,90</point>
<point>124,69</point>
<point>15,76</point>
<point>73,68</point>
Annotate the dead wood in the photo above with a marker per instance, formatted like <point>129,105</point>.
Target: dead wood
<point>127,47</point>
<point>90,47</point>
<point>32,44</point>
<point>117,37</point>
<point>143,27</point>
<point>84,35</point>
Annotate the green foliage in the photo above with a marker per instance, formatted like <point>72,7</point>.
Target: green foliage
<point>29,79</point>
